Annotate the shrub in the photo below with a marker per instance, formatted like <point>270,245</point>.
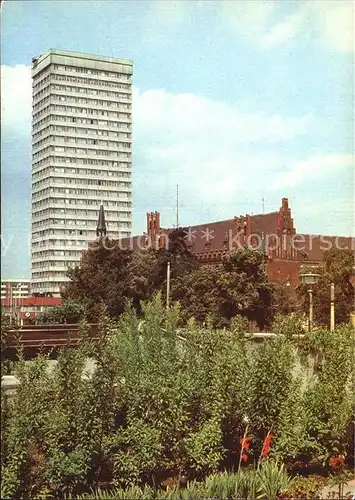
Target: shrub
<point>164,403</point>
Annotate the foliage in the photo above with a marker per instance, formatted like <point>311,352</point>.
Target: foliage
<point>237,286</point>
<point>329,402</point>
<point>5,328</point>
<point>272,479</point>
<point>292,440</point>
<point>270,383</point>
<point>165,402</point>
<point>71,311</point>
<point>338,269</point>
<point>285,300</point>
<point>109,275</point>
<point>100,278</point>
<point>290,326</point>
<point>247,485</point>
<point>267,482</point>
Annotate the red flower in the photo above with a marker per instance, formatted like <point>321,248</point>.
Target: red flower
<point>245,457</point>
<point>245,442</point>
<point>266,446</point>
<point>337,462</point>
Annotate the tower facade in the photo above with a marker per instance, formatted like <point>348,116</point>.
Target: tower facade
<point>81,158</point>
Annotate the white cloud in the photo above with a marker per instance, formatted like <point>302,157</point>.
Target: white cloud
<point>215,152</point>
<point>328,23</point>
<point>16,91</point>
<point>198,120</point>
<point>314,169</point>
<point>246,18</point>
<point>335,24</point>
<point>281,32</point>
<point>221,157</point>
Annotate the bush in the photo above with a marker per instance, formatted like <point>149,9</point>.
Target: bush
<point>163,403</point>
<point>268,482</point>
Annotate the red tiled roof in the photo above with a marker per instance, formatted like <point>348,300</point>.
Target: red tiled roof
<point>210,239</point>
<point>32,301</point>
<point>214,235</point>
<point>313,246</point>
<point>264,223</point>
<point>210,236</point>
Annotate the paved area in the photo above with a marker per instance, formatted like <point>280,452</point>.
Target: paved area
<point>332,491</point>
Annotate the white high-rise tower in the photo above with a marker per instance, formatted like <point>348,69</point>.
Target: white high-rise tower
<point>81,158</point>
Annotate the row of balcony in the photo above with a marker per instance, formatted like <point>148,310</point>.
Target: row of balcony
<point>121,124</point>
<point>82,133</point>
<point>92,149</point>
<point>52,161</point>
<point>124,95</point>
<point>42,81</point>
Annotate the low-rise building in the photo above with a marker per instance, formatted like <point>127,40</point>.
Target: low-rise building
<point>24,310</point>
<point>15,288</point>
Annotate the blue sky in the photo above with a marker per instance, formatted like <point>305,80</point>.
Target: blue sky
<point>233,100</point>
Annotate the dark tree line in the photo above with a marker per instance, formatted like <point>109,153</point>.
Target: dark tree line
<point>109,276</point>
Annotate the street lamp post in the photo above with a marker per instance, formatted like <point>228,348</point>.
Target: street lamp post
<point>332,311</point>
<point>310,319</point>
<point>168,285</point>
<point>11,302</point>
<point>310,279</point>
<point>18,303</point>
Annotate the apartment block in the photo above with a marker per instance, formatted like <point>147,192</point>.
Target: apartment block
<point>13,289</point>
<point>81,158</point>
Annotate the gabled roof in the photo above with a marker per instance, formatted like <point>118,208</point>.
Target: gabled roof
<point>211,239</point>
<point>264,223</point>
<point>209,236</point>
<point>312,247</point>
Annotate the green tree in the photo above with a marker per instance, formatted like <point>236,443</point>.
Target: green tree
<point>284,299</point>
<point>237,286</point>
<point>198,293</point>
<point>245,288</point>
<point>5,328</point>
<point>163,401</point>
<point>329,401</point>
<point>108,275</point>
<point>71,311</point>
<point>100,279</point>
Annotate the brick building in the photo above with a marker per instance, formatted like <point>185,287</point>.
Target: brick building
<point>274,233</point>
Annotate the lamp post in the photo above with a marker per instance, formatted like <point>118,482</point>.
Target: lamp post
<point>18,303</point>
<point>168,285</point>
<point>310,319</point>
<point>310,279</point>
<point>332,311</point>
<point>11,302</point>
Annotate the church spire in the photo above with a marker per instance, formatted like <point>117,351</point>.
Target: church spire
<point>101,223</point>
